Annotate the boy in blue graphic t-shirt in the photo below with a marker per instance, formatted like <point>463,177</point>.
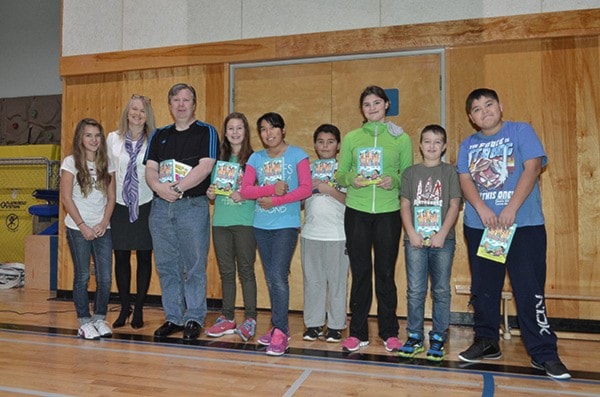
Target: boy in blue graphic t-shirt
<point>499,168</point>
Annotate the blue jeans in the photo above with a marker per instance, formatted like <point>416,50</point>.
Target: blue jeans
<point>422,263</point>
<point>81,251</point>
<point>276,248</point>
<point>180,236</point>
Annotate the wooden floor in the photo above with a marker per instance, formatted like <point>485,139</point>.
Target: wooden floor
<point>42,356</point>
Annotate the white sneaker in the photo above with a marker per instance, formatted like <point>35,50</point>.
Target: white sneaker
<point>103,329</point>
<point>88,331</point>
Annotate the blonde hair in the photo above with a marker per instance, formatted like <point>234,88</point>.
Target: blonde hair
<point>149,126</point>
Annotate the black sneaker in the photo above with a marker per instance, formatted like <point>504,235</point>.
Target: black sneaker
<point>555,369</point>
<point>481,349</point>
<point>313,333</point>
<point>334,335</point>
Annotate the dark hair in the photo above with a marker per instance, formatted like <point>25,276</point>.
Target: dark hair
<point>372,90</point>
<point>478,93</point>
<point>436,129</point>
<point>329,128</point>
<point>181,86</point>
<point>274,119</point>
<point>246,149</point>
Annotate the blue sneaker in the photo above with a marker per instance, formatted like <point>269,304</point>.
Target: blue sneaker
<point>413,346</point>
<point>436,348</point>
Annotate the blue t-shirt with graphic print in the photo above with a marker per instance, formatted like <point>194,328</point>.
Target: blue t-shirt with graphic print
<point>286,215</point>
<point>496,164</point>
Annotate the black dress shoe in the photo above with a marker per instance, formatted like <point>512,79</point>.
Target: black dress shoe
<point>192,330</point>
<point>167,329</point>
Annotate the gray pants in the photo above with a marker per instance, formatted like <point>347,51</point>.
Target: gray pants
<point>236,244</point>
<point>325,267</point>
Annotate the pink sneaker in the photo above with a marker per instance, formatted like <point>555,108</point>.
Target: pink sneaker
<point>392,344</point>
<point>352,344</point>
<point>279,343</point>
<point>222,327</point>
<point>265,340</point>
<point>247,329</point>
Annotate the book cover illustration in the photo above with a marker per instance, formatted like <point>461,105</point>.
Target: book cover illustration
<point>225,177</point>
<point>370,161</point>
<point>323,170</point>
<point>427,221</point>
<point>273,171</point>
<point>495,243</point>
<point>172,170</point>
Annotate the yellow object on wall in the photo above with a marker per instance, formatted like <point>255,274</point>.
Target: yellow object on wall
<point>23,169</point>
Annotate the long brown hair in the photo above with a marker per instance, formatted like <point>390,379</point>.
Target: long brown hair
<point>84,178</point>
<point>246,149</point>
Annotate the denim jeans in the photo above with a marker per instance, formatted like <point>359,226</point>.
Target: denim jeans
<point>81,251</point>
<point>276,248</point>
<point>180,236</point>
<point>422,263</point>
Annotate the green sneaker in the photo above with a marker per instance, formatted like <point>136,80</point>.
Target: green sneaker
<point>413,346</point>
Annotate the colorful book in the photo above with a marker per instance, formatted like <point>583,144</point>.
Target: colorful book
<point>427,221</point>
<point>370,164</point>
<point>323,170</point>
<point>273,171</point>
<point>225,177</point>
<point>495,243</point>
<point>172,170</point>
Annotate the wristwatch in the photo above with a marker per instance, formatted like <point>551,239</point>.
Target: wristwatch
<point>176,189</point>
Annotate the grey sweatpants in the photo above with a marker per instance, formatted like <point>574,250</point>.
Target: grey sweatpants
<point>325,267</point>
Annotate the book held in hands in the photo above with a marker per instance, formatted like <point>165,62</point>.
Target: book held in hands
<point>427,221</point>
<point>273,171</point>
<point>495,243</point>
<point>323,170</point>
<point>172,171</point>
<point>370,164</point>
<point>225,177</point>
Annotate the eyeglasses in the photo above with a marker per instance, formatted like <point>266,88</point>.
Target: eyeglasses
<point>143,98</point>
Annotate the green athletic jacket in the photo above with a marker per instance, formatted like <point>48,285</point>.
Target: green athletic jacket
<point>397,156</point>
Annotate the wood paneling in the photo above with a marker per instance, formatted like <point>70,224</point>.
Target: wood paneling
<point>545,67</point>
<point>552,84</point>
<point>104,96</point>
<point>308,95</point>
<point>356,41</point>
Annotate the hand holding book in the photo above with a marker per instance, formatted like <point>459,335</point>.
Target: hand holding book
<point>495,243</point>
<point>281,188</point>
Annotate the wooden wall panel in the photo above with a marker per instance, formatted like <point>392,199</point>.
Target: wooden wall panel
<point>587,131</point>
<point>546,83</point>
<point>308,95</point>
<point>355,41</point>
<point>546,68</point>
<point>302,95</point>
<point>104,97</point>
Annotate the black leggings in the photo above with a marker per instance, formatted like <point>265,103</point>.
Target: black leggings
<point>123,276</point>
